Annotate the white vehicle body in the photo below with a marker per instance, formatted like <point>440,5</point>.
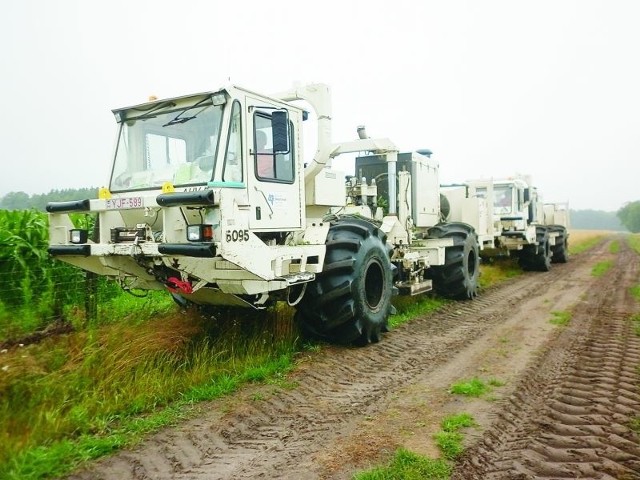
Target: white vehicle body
<point>210,198</point>
<point>524,226</point>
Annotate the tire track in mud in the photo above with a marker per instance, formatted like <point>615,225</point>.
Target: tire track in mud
<point>570,415</point>
<point>278,436</point>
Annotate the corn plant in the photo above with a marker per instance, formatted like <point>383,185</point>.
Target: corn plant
<point>34,288</point>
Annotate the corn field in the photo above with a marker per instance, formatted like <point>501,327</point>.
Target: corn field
<point>35,289</point>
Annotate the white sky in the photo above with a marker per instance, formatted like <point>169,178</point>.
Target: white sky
<point>549,88</point>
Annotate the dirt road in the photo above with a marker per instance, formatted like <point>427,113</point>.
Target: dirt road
<point>568,394</point>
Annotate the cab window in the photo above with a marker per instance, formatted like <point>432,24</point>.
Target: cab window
<point>232,162</point>
<point>270,166</point>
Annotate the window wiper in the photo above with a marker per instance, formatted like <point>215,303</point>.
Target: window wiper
<point>179,119</point>
<point>151,113</point>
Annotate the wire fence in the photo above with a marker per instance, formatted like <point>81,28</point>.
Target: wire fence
<point>35,299</point>
<point>39,293</point>
<point>35,289</point>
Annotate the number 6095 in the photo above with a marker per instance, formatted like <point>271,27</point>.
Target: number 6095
<point>237,235</point>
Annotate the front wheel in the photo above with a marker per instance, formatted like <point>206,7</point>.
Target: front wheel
<point>350,301</point>
<point>458,277</point>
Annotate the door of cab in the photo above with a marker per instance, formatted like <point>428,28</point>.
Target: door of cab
<point>273,178</point>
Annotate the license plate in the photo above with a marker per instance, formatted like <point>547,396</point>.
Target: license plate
<point>124,203</point>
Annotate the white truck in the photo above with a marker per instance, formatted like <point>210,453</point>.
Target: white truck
<point>522,226</point>
<point>210,198</point>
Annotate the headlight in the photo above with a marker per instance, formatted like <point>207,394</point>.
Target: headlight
<point>77,235</point>
<point>199,233</point>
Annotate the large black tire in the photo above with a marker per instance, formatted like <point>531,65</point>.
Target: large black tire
<point>458,277</point>
<point>350,301</point>
<point>560,250</point>
<point>537,257</point>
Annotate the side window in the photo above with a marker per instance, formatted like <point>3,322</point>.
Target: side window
<point>268,165</point>
<point>233,159</point>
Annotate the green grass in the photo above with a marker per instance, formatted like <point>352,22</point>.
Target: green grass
<point>585,244</point>
<point>80,396</point>
<point>494,382</point>
<point>449,440</point>
<point>560,318</point>
<point>408,308</point>
<point>474,387</point>
<point>407,465</point>
<point>469,388</point>
<point>37,290</point>
<point>634,242</point>
<point>498,270</point>
<point>600,268</point>
<point>152,305</point>
<point>614,247</point>
<point>453,423</point>
<point>449,443</point>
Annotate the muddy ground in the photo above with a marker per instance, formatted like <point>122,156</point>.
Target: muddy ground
<point>564,410</point>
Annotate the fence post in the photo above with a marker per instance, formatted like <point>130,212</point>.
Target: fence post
<point>91,278</point>
<point>91,297</point>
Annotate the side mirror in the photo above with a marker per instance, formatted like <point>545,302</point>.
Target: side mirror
<point>280,131</point>
<point>526,195</point>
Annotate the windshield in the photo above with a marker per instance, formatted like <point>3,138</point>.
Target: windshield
<point>176,145</point>
<point>502,199</point>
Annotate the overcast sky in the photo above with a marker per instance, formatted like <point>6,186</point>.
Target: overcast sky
<point>548,88</point>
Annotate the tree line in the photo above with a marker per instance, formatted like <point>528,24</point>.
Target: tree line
<point>595,220</point>
<point>629,215</point>
<point>24,201</point>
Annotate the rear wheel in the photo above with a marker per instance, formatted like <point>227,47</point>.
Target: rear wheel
<point>537,257</point>
<point>350,301</point>
<point>561,249</point>
<point>458,277</point>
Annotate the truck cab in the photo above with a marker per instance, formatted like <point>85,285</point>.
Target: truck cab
<point>515,207</point>
<point>223,140</point>
<point>205,189</point>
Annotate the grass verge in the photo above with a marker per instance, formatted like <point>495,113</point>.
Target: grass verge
<point>77,397</point>
<point>581,241</point>
<point>634,242</point>
<point>408,308</point>
<point>498,270</point>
